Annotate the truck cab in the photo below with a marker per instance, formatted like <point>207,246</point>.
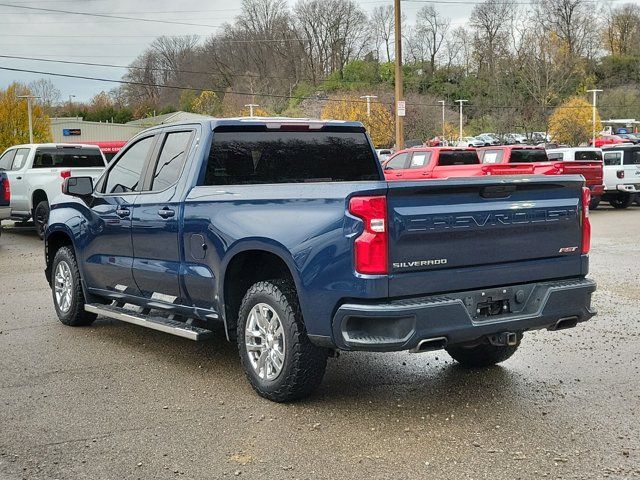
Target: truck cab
<point>621,174</point>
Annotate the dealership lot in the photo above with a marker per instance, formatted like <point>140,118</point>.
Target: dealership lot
<point>117,401</point>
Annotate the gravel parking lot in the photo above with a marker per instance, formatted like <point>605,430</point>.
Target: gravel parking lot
<point>117,401</point>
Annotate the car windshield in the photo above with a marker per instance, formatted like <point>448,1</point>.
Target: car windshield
<point>528,156</point>
<point>67,157</point>
<point>588,155</point>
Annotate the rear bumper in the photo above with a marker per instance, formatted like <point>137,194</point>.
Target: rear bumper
<point>596,190</point>
<point>5,212</point>
<point>628,188</point>
<point>403,324</point>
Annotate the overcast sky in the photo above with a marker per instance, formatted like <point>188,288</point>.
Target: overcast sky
<point>65,36</point>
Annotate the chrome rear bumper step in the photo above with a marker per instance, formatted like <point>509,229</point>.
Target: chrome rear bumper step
<point>162,324</point>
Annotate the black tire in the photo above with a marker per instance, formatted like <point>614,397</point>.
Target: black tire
<point>621,200</point>
<point>483,355</point>
<point>304,363</point>
<point>74,315</point>
<point>41,217</point>
<point>593,204</point>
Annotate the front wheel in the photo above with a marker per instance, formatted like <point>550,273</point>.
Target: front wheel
<point>66,287</point>
<point>622,200</point>
<point>278,358</point>
<point>41,217</point>
<point>483,355</point>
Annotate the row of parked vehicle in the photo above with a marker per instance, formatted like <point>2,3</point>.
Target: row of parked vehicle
<point>612,173</point>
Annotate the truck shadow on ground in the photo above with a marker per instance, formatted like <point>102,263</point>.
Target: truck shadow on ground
<point>420,382</point>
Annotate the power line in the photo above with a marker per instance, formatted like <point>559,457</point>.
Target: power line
<point>108,65</point>
<point>103,15</point>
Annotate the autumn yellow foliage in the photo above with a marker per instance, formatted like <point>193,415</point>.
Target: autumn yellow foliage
<point>379,124</point>
<point>14,120</point>
<point>207,103</point>
<point>571,123</point>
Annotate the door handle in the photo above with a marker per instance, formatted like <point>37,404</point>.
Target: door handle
<point>18,178</point>
<point>123,212</point>
<point>166,212</point>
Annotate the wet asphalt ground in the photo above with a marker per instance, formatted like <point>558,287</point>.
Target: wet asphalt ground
<point>116,401</point>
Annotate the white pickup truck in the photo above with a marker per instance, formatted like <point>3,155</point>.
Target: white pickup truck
<point>36,173</point>
<point>621,174</point>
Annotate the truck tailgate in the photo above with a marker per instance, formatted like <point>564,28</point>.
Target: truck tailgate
<point>592,171</point>
<point>460,224</point>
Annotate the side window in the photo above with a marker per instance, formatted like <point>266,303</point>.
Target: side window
<point>612,158</point>
<point>171,161</point>
<point>555,155</point>
<point>420,159</point>
<point>20,159</point>
<point>588,155</point>
<point>492,156</point>
<point>125,175</point>
<point>7,159</point>
<point>397,163</point>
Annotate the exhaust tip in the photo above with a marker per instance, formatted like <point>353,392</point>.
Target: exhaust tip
<point>430,344</point>
<point>564,323</point>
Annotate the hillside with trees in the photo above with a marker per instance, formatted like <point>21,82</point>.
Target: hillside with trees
<point>515,64</point>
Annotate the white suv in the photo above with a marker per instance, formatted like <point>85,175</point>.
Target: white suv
<point>36,173</point>
<point>621,174</point>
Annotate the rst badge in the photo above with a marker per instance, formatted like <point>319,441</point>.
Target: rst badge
<point>568,249</point>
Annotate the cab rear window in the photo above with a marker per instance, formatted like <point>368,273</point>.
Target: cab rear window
<point>254,157</point>
<point>631,157</point>
<point>458,158</point>
<point>67,158</point>
<point>528,156</point>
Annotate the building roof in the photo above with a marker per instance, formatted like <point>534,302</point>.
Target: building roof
<point>167,118</point>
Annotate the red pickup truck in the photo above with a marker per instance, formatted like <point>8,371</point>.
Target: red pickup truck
<point>540,162</point>
<point>420,163</point>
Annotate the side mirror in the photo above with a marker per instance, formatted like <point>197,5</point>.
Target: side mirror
<point>78,186</point>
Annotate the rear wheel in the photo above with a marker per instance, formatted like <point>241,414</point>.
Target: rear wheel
<point>483,355</point>
<point>278,358</point>
<point>41,217</point>
<point>593,204</point>
<point>621,200</point>
<point>68,297</point>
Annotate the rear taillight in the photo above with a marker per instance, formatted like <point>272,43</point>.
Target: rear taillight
<point>620,173</point>
<point>586,223</point>
<point>5,190</point>
<point>65,173</point>
<point>371,246</point>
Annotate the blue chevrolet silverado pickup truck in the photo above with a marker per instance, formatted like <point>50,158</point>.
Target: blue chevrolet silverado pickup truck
<point>286,232</point>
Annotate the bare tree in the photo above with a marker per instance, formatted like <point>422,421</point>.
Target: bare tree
<point>432,28</point>
<point>47,91</point>
<point>334,32</point>
<point>622,29</point>
<point>490,21</point>
<point>383,28</point>
<point>570,20</point>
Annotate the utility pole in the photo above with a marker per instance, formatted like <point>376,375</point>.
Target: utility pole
<point>398,76</point>
<point>369,97</point>
<point>443,132</point>
<point>461,102</point>
<point>593,116</point>
<point>29,98</point>
<point>251,105</point>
